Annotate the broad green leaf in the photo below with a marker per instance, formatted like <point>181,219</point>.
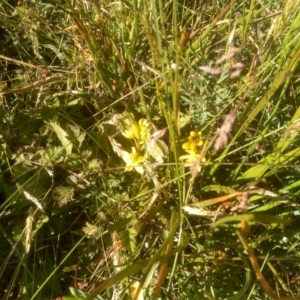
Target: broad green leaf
<point>218,188</point>
<point>62,136</point>
<point>271,204</point>
<point>158,150</point>
<point>254,218</point>
<point>291,186</point>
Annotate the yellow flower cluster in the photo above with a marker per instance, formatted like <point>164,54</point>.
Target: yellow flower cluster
<point>193,149</point>
<point>140,131</point>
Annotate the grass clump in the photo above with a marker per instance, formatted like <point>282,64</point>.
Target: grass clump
<point>149,150</point>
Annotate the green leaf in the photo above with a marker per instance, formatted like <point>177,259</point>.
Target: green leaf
<point>62,136</point>
<point>158,150</point>
<point>63,194</point>
<point>128,238</point>
<point>254,218</point>
<point>75,135</point>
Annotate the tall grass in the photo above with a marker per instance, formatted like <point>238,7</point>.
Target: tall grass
<point>149,149</point>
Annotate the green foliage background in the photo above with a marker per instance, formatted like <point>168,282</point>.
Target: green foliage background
<point>79,221</point>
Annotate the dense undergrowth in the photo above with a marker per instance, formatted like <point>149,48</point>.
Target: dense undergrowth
<point>150,149</point>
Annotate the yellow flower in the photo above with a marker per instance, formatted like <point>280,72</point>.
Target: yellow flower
<point>133,133</point>
<point>133,160</point>
<point>128,21</point>
<point>192,147</point>
<point>190,158</point>
<point>144,129</point>
<point>194,142</point>
<point>140,131</point>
